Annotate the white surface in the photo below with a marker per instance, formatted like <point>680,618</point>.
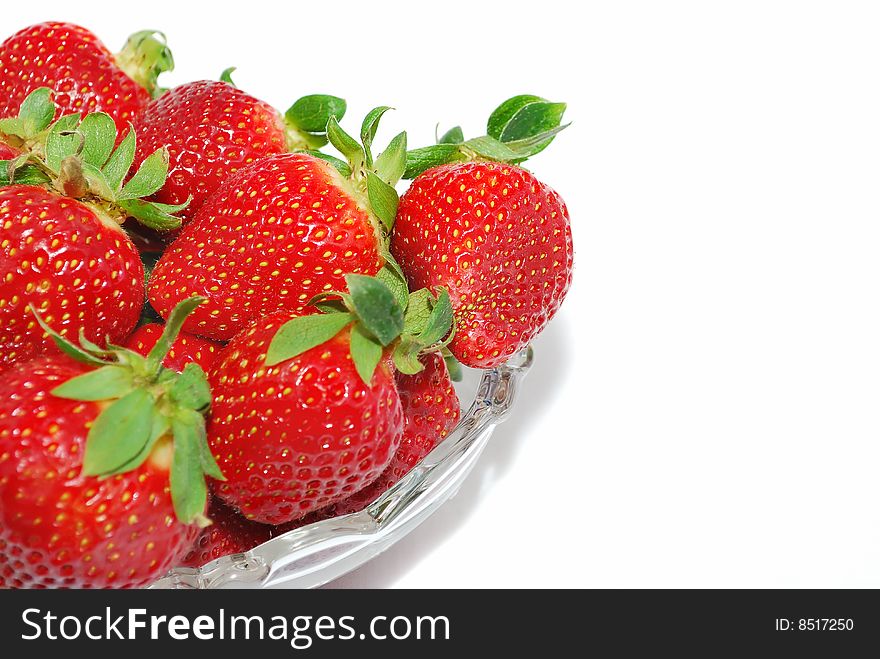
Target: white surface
<point>704,410</point>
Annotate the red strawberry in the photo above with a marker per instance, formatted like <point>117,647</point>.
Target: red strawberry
<point>81,271</point>
<point>275,235</point>
<point>212,129</point>
<point>187,348</point>
<point>296,435</point>
<point>84,74</point>
<point>493,235</point>
<point>499,240</point>
<point>229,533</point>
<point>101,478</point>
<point>281,231</point>
<point>68,258</point>
<point>430,411</point>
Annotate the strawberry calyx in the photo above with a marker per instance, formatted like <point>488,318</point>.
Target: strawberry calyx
<point>379,320</point>
<point>305,121</point>
<point>519,128</point>
<point>78,157</point>
<point>144,57</point>
<point>147,408</point>
<point>372,178</point>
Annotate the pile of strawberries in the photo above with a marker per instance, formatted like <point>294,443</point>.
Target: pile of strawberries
<point>212,330</point>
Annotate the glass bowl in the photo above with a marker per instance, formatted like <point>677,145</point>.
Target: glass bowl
<point>313,555</point>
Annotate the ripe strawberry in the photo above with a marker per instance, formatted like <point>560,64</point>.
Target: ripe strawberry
<point>84,74</point>
<point>211,130</point>
<point>81,272</point>
<point>229,533</point>
<point>68,258</point>
<point>430,411</point>
<point>488,231</point>
<point>499,240</point>
<point>187,348</point>
<point>101,470</point>
<point>281,231</point>
<point>330,372</point>
<point>274,236</point>
<point>295,436</point>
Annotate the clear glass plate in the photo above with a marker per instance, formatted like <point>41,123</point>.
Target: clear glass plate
<point>315,554</point>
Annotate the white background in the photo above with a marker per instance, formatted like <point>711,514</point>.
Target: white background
<point>704,410</point>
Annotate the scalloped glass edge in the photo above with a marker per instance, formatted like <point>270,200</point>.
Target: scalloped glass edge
<point>316,554</point>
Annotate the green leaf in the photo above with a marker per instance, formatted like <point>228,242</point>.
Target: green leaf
<point>89,345</point>
<point>190,388</point>
<point>439,322</point>
<point>533,119</point>
<point>24,175</point>
<point>406,355</point>
<point>490,148</point>
<point>368,130</point>
<point>103,384</point>
<point>529,146</point>
<point>304,333</point>
<point>383,199</point>
<point>391,163</point>
<point>119,433</point>
<point>189,491</point>
<point>376,307</point>
<point>62,141</point>
<point>453,366</point>
<point>170,332</point>
<point>160,426</point>
<point>226,76</point>
<point>346,145</point>
<point>396,283</point>
<point>150,214</point>
<point>418,311</point>
<point>96,180</point>
<point>365,352</point>
<point>120,160</point>
<point>149,177</point>
<point>65,346</point>
<point>340,165</point>
<point>34,116</point>
<point>311,113</point>
<point>420,160</point>
<point>206,459</point>
<point>99,135</point>
<point>452,136</point>
<point>371,124</point>
<point>504,113</point>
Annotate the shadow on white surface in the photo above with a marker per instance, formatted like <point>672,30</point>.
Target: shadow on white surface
<point>547,376</point>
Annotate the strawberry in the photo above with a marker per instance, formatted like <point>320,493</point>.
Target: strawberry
<point>497,238</point>
<point>85,75</point>
<point>430,411</point>
<point>229,533</point>
<point>102,463</point>
<point>329,372</point>
<point>187,348</point>
<point>82,273</point>
<point>211,130</point>
<point>344,433</point>
<point>62,248</point>
<point>276,234</point>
